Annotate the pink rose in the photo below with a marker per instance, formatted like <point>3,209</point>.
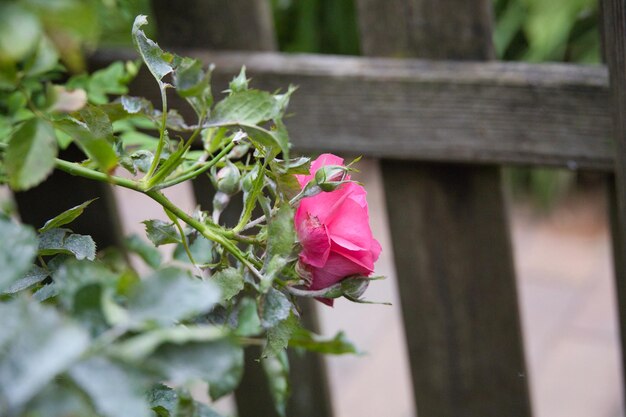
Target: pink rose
<point>333,229</point>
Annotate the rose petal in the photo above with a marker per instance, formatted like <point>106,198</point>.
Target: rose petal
<point>313,237</point>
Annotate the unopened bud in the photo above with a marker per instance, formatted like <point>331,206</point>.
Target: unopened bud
<point>228,179</point>
<point>331,177</point>
<point>239,151</point>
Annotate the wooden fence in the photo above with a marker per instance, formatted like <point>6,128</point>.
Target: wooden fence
<point>442,119</point>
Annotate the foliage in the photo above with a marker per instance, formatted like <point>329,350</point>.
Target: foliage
<point>537,31</point>
<point>83,333</point>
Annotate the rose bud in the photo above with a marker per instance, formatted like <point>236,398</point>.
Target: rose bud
<point>333,230</point>
<point>228,179</point>
<point>329,178</point>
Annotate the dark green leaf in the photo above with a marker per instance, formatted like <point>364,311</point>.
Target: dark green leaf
<point>248,321</point>
<point>230,281</point>
<point>66,217</point>
<point>193,84</point>
<point>279,335</point>
<point>93,133</point>
<point>161,233</point>
<point>281,239</point>
<point>249,107</point>
<point>200,247</point>
<point>55,241</point>
<point>338,345</point>
<point>114,388</point>
<point>220,363</point>
<point>277,371</point>
<point>170,295</point>
<point>72,276</point>
<point>163,400</point>
<point>30,154</point>
<point>60,399</point>
<point>138,348</point>
<point>146,251</point>
<point>157,61</point>
<point>32,277</point>
<point>18,247</point>
<point>36,344</point>
<point>275,308</point>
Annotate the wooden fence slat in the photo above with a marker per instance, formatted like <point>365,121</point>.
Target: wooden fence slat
<point>245,25</point>
<point>451,241</point>
<point>489,112</point>
<point>614,38</point>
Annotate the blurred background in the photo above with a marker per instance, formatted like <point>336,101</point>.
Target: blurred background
<point>559,217</point>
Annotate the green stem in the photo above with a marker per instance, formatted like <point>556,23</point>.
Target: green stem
<point>194,172</point>
<point>172,163</point>
<point>157,155</point>
<point>73,168</point>
<point>206,231</point>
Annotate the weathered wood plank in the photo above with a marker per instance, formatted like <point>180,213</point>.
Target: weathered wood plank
<point>245,25</point>
<point>476,112</point>
<point>233,24</point>
<point>450,231</point>
<point>614,38</point>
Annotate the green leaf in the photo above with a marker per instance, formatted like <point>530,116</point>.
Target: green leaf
<point>32,277</point>
<point>36,345</point>
<point>230,281</point>
<point>338,345</point>
<point>170,295</point>
<point>43,60</point>
<point>138,348</point>
<point>66,217</point>
<point>275,308</point>
<point>18,248</point>
<point>157,61</point>
<point>193,84</point>
<point>55,241</point>
<point>72,276</point>
<point>200,247</point>
<point>161,233</point>
<point>114,388</point>
<point>20,31</point>
<point>134,105</point>
<point>60,400</point>
<point>249,107</point>
<point>93,133</point>
<point>279,335</point>
<point>239,83</point>
<point>30,154</point>
<point>281,239</point>
<point>220,363</point>
<point>147,252</point>
<point>248,321</point>
<point>281,232</point>
<point>277,371</point>
<point>163,400</point>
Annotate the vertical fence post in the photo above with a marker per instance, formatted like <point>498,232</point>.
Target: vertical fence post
<point>451,238</point>
<point>614,38</point>
<point>245,25</point>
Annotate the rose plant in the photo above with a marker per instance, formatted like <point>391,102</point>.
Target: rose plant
<point>83,333</point>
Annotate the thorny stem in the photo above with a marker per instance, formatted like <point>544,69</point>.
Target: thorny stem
<point>196,171</point>
<point>212,233</point>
